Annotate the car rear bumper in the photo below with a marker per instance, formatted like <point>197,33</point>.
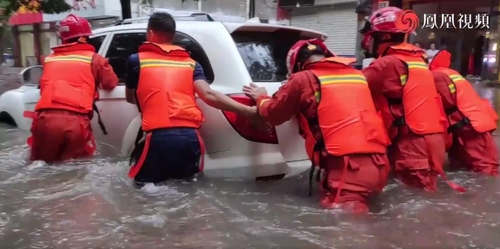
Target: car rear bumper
<point>256,170</point>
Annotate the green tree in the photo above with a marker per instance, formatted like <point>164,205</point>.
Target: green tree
<point>46,6</point>
<point>8,7</point>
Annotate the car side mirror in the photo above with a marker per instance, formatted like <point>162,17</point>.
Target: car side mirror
<point>31,75</point>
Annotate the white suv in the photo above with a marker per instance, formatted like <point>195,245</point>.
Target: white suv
<point>232,55</point>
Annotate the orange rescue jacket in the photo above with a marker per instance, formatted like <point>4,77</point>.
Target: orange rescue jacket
<point>165,92</point>
<point>347,117</point>
<point>476,110</point>
<point>423,112</point>
<point>67,82</point>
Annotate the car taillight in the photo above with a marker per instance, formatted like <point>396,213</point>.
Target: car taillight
<point>242,125</point>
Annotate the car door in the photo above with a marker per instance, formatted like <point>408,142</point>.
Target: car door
<point>115,112</point>
<point>30,78</point>
<point>198,54</point>
<point>214,123</point>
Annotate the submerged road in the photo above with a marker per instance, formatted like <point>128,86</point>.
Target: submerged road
<point>92,204</point>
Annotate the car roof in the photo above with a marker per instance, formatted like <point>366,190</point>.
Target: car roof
<point>230,26</point>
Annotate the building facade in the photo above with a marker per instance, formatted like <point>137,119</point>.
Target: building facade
<point>468,29</point>
<point>35,32</point>
<point>245,9</point>
<point>335,18</point>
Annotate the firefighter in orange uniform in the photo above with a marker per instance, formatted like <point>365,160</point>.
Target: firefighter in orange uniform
<point>472,119</point>
<point>68,87</point>
<point>404,92</point>
<point>162,81</point>
<point>344,135</point>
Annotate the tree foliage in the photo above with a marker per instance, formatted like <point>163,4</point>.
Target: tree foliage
<point>45,6</point>
<point>8,7</point>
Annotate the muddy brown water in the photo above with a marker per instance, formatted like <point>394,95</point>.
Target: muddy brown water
<point>92,204</point>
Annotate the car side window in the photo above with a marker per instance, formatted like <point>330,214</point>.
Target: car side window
<point>197,53</point>
<point>121,47</point>
<point>96,42</point>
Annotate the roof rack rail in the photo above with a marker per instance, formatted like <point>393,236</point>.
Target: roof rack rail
<point>116,23</point>
<point>192,17</point>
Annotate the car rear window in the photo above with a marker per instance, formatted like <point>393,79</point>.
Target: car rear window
<point>264,53</point>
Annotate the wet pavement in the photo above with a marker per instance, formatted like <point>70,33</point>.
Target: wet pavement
<point>92,204</point>
<point>9,78</point>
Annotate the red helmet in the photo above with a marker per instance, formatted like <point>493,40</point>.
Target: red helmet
<point>293,53</point>
<point>387,21</point>
<point>384,20</point>
<point>73,27</point>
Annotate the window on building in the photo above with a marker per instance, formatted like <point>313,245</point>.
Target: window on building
<point>97,42</point>
<point>121,47</point>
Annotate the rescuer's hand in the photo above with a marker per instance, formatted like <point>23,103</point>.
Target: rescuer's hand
<point>256,120</point>
<point>253,91</point>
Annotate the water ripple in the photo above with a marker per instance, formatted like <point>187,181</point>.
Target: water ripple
<point>92,204</point>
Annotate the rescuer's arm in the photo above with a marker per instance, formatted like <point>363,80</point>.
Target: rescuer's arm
<point>105,76</point>
<point>43,79</point>
<point>375,75</point>
<point>443,83</point>
<point>132,70</point>
<point>216,99</point>
<point>284,104</point>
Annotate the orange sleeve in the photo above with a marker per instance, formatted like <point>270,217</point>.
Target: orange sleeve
<point>375,75</point>
<point>442,82</point>
<point>103,73</point>
<point>43,79</point>
<point>284,104</point>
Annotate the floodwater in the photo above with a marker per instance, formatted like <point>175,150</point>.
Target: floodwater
<point>92,204</point>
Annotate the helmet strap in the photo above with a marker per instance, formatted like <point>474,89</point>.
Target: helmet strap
<point>299,66</point>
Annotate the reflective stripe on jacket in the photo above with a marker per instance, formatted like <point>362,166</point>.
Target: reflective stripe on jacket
<point>347,116</point>
<point>165,92</point>
<point>67,82</point>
